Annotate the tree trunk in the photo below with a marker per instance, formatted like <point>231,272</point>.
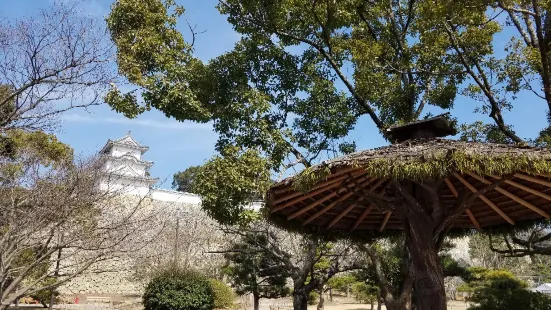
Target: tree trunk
<point>331,294</point>
<point>347,291</point>
<point>322,300</point>
<point>402,300</point>
<point>300,299</point>
<point>372,301</point>
<point>256,302</point>
<point>428,286</point>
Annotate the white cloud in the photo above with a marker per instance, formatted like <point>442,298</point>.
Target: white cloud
<point>164,124</point>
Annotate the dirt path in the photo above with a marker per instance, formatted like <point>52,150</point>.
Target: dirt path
<point>452,305</point>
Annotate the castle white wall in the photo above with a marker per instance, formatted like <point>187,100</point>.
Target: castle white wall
<point>119,150</point>
<point>125,186</point>
<point>174,196</point>
<point>198,232</point>
<point>125,166</point>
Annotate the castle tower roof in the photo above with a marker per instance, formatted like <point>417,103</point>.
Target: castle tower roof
<point>126,141</point>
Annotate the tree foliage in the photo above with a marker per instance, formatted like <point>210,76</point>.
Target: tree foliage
<point>222,294</point>
<point>183,180</point>
<point>341,282</point>
<point>498,289</point>
<point>256,271</point>
<point>304,73</point>
<point>228,184</point>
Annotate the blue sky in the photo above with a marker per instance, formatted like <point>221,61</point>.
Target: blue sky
<point>175,146</point>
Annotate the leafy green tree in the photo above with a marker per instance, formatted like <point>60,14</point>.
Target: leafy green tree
<point>342,283</point>
<point>183,180</point>
<point>365,293</point>
<point>498,289</point>
<point>250,92</point>
<point>234,179</point>
<point>256,272</point>
<point>542,271</point>
<point>304,74</point>
<point>307,260</point>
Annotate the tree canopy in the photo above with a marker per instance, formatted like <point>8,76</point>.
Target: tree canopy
<point>183,180</point>
<point>306,72</point>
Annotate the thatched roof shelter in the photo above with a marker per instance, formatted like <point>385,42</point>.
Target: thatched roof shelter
<point>348,193</point>
<point>423,185</point>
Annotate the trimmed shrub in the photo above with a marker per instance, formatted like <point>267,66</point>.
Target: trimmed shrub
<point>364,293</point>
<point>313,298</point>
<point>499,289</point>
<point>222,294</point>
<point>176,289</point>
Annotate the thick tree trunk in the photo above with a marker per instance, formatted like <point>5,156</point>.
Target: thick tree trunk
<point>300,299</point>
<point>428,286</point>
<point>256,302</point>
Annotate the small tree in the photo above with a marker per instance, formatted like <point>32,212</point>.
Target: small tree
<point>297,256</point>
<point>55,222</point>
<point>51,62</point>
<point>183,180</point>
<point>341,283</point>
<point>499,289</point>
<point>365,293</point>
<point>259,273</point>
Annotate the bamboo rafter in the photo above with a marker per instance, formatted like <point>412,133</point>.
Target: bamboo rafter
<point>320,186</point>
<point>385,220</point>
<point>512,196</point>
<point>362,216</point>
<point>330,206</point>
<point>525,188</point>
<point>469,213</point>
<point>310,194</point>
<point>320,201</point>
<point>341,215</point>
<point>329,178</point>
<point>366,212</point>
<point>486,200</point>
<point>533,179</point>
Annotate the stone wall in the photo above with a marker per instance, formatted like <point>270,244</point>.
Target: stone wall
<point>182,232</point>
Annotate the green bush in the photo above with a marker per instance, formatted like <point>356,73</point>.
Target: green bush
<point>499,289</point>
<point>364,293</point>
<point>222,294</point>
<point>313,298</point>
<point>176,289</point>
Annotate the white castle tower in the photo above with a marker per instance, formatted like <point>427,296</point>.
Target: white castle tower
<point>124,167</point>
<point>127,172</point>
